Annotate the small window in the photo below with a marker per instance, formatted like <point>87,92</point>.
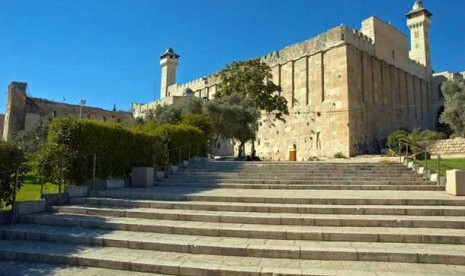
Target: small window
<point>54,113</point>
<point>104,119</point>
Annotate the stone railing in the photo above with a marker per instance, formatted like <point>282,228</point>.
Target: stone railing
<point>446,147</point>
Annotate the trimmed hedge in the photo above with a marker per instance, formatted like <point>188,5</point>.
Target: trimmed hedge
<point>75,141</point>
<point>11,158</point>
<point>117,148</point>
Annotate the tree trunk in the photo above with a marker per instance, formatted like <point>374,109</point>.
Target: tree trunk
<point>240,154</point>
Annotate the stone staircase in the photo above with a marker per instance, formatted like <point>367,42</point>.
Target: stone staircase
<point>256,218</point>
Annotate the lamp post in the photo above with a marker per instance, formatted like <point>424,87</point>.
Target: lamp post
<point>82,103</point>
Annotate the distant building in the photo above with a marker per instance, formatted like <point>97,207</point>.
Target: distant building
<point>24,112</point>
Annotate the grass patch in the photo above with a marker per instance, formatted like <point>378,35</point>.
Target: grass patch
<point>444,164</point>
<point>31,189</point>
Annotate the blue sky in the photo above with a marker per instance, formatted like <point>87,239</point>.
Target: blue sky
<point>107,51</point>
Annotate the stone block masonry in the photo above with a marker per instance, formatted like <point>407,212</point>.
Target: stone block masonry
<point>347,89</point>
<point>446,147</point>
<point>2,119</point>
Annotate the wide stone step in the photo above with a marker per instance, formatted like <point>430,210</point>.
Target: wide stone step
<point>60,269</point>
<point>334,197</point>
<point>277,208</point>
<point>290,180</point>
<point>328,173</point>
<point>240,230</point>
<point>176,263</point>
<point>404,187</point>
<point>270,218</point>
<point>193,244</point>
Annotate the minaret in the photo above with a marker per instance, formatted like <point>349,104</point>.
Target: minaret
<point>419,22</point>
<point>168,63</point>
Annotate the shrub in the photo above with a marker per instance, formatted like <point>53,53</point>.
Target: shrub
<point>397,136</point>
<point>71,143</point>
<point>426,135</point>
<point>11,158</point>
<point>339,155</point>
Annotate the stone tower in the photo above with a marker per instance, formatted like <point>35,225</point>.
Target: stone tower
<point>168,63</point>
<point>419,22</point>
<point>15,115</point>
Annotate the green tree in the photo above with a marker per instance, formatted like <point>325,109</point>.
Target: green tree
<point>32,138</point>
<point>201,121</point>
<point>251,79</point>
<point>173,114</point>
<point>11,158</point>
<point>234,118</point>
<point>245,90</point>
<point>454,106</point>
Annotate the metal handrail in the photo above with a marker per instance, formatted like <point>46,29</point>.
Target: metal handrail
<point>425,152</point>
<point>179,150</point>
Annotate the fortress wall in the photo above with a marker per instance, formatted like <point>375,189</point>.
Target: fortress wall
<point>199,86</point>
<point>399,100</point>
<point>319,127</point>
<point>318,77</point>
<point>2,119</point>
<point>390,44</point>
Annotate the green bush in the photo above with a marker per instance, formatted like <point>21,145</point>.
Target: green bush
<point>339,155</point>
<point>412,139</point>
<point>397,136</point>
<point>426,135</point>
<point>11,158</point>
<point>75,141</point>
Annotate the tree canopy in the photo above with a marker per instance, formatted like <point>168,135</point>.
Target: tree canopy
<point>454,106</point>
<point>245,90</point>
<point>251,80</point>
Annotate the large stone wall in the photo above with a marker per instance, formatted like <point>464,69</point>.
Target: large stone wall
<point>446,147</point>
<point>2,119</point>
<point>23,112</point>
<point>383,98</point>
<point>347,91</point>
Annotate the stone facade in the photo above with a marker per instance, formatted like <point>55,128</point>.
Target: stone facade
<point>446,147</point>
<point>2,119</point>
<point>347,89</point>
<point>23,112</point>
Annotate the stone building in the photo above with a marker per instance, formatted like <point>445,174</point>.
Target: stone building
<point>2,119</point>
<point>347,89</point>
<point>24,112</point>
